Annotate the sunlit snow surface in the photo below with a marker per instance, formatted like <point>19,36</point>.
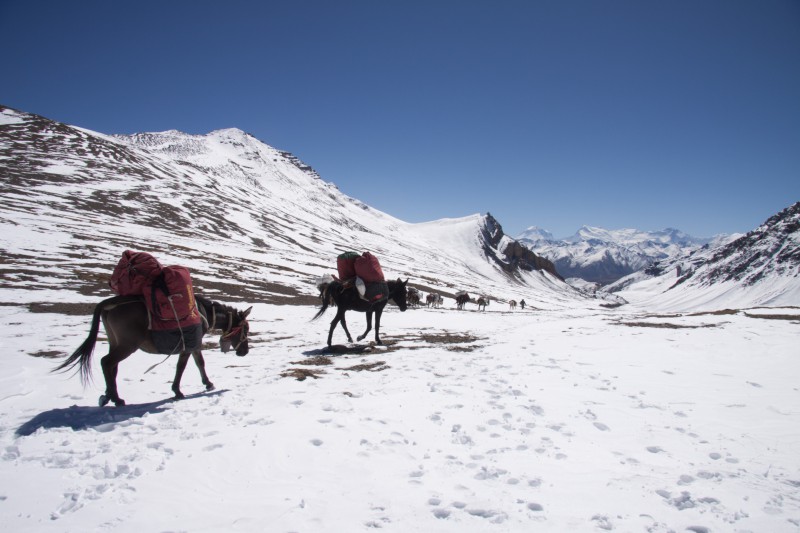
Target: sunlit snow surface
<point>498,421</point>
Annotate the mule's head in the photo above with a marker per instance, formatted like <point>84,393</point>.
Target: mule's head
<point>236,338</point>
<point>400,294</point>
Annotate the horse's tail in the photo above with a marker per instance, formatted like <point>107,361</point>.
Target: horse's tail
<point>83,355</point>
<point>326,297</point>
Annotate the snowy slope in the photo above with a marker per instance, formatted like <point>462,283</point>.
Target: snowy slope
<point>761,268</point>
<point>250,221</point>
<point>603,256</point>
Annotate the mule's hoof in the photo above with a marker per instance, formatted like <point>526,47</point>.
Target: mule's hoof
<point>119,402</point>
<point>178,396</point>
<point>209,386</point>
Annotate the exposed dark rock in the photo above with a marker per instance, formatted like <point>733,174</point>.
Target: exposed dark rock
<point>514,256</point>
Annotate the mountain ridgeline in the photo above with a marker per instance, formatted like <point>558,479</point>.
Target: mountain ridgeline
<point>251,222</point>
<point>771,250</point>
<point>603,256</point>
<point>515,256</point>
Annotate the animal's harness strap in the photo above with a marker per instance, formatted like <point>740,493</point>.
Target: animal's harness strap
<point>213,323</point>
<point>182,342</point>
<point>155,365</point>
<point>238,330</point>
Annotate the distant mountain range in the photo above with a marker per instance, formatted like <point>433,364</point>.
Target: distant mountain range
<point>761,267</point>
<point>603,256</point>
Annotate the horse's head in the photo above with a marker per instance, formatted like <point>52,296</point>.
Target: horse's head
<point>236,338</point>
<point>399,294</point>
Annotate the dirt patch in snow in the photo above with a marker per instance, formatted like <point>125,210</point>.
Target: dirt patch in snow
<point>300,374</point>
<point>774,317</point>
<point>664,325</point>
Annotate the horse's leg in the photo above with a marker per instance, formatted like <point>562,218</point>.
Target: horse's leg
<point>344,326</point>
<point>201,366</point>
<point>339,318</point>
<point>110,363</point>
<point>183,358</point>
<point>369,326</point>
<point>378,313</point>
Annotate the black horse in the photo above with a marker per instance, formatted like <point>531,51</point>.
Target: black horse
<point>125,320</point>
<point>347,299</point>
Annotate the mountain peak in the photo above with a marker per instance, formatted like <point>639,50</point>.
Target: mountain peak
<point>603,256</point>
<point>535,234</point>
<point>510,254</point>
<point>761,267</point>
<point>251,222</point>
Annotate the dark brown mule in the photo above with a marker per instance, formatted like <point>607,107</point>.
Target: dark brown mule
<point>482,303</point>
<point>461,300</point>
<point>125,320</point>
<point>347,299</point>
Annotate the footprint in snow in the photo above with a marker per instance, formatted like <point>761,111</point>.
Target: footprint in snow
<point>603,522</point>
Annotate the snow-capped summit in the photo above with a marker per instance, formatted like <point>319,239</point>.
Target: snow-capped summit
<point>759,268</point>
<point>603,256</point>
<point>535,234</point>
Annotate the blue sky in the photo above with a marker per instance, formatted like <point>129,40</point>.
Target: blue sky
<point>643,114</point>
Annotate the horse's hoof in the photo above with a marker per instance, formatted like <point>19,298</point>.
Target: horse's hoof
<point>178,396</point>
<point>209,386</point>
<point>119,402</point>
<point>103,401</point>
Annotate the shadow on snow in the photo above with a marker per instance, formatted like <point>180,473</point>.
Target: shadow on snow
<point>339,349</point>
<point>78,418</point>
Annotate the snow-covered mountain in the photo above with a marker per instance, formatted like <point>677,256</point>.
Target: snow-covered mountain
<point>761,268</point>
<point>567,416</point>
<point>603,256</point>
<point>254,223</point>
<point>251,222</point>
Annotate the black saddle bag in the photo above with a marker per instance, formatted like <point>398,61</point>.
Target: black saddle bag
<point>172,341</point>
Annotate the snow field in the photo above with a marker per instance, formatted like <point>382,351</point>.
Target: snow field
<point>495,421</point>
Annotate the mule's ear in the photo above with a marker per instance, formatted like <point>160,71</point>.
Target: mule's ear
<point>405,282</point>
<point>246,312</point>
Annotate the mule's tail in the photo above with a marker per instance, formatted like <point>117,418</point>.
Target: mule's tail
<point>326,297</point>
<point>83,355</point>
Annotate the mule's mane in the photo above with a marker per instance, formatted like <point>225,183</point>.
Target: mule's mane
<point>217,309</point>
